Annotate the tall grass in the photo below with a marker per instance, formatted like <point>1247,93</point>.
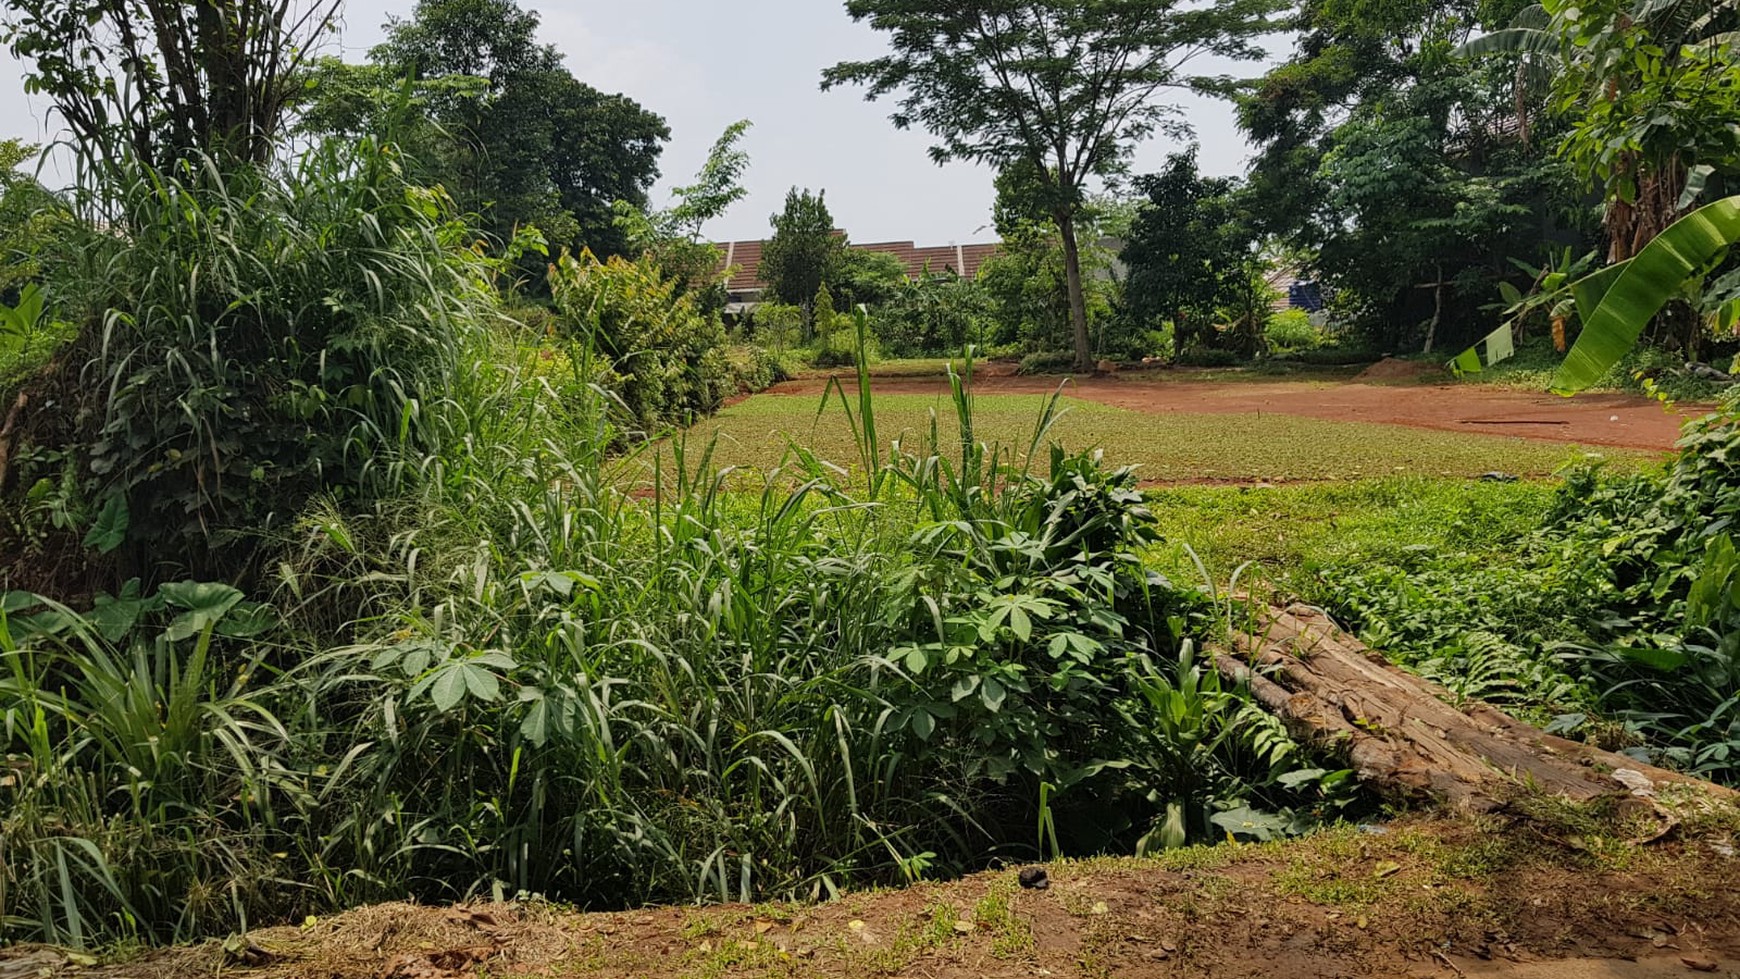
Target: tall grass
<point>516,675</point>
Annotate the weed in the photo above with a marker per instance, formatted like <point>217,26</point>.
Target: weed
<point>995,912</point>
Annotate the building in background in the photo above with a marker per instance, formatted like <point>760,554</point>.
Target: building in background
<point>744,259</point>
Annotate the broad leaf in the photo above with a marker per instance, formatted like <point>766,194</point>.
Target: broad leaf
<point>110,530</point>
<point>449,688</point>
<point>1617,303</point>
<point>206,602</point>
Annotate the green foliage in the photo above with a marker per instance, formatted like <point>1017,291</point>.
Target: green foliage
<point>145,762</point>
<point>210,84</point>
<point>1610,613</point>
<point>1190,253</point>
<point>554,685</point>
<point>1617,302</point>
<point>493,116</point>
<point>1292,330</point>
<point>1397,166</point>
<point>1069,108</point>
<point>868,278</point>
<point>1649,95</point>
<point>802,254</point>
<point>673,235</point>
<point>934,315</point>
<point>28,216</point>
<point>1645,370</point>
<point>665,359</point>
<point>261,337</point>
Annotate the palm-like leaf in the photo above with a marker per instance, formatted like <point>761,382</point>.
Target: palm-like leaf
<point>1618,301</point>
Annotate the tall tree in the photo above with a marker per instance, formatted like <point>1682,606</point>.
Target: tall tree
<point>496,117</point>
<point>1188,251</point>
<point>162,80</point>
<point>1065,88</point>
<point>803,252</point>
<point>1651,95</point>
<point>1408,176</point>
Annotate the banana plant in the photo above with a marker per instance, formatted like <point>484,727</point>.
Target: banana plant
<point>18,323</point>
<point>1616,303</point>
<point>1551,294</point>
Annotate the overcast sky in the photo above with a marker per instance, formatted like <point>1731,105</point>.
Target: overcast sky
<point>703,64</point>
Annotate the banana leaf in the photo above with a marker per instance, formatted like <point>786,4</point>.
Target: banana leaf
<point>1616,303</point>
<point>1511,40</point>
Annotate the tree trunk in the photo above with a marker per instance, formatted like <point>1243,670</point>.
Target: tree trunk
<point>1401,736</point>
<point>1084,356</point>
<point>1437,310</point>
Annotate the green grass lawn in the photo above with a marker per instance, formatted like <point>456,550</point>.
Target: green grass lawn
<point>1282,536</point>
<point>1168,448</point>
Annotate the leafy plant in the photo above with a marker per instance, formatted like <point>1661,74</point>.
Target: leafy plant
<point>263,336</point>
<point>1618,301</point>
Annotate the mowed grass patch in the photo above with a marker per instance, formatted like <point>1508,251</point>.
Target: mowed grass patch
<point>1173,447</point>
<point>1284,535</point>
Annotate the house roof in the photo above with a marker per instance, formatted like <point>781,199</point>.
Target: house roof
<point>963,260</point>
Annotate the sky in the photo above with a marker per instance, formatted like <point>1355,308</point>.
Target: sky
<point>703,64</point>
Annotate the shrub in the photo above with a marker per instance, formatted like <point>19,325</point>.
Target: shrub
<point>935,315</point>
<point>257,338</point>
<point>1292,329</point>
<point>1058,362</point>
<point>1209,357</point>
<point>667,360</point>
<point>551,685</point>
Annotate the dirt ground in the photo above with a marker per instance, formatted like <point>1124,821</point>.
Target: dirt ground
<point>1394,398</point>
<point>1421,897</point>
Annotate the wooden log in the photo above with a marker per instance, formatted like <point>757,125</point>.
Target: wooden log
<point>1400,734</point>
<point>8,431</point>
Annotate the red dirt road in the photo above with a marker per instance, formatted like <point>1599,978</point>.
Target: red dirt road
<point>1618,420</point>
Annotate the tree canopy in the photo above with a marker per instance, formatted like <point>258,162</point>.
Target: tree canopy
<point>803,252</point>
<point>163,80</point>
<point>494,115</point>
<point>1063,88</point>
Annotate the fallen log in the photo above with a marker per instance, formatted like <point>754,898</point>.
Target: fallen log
<point>1400,735</point>
<point>7,432</point>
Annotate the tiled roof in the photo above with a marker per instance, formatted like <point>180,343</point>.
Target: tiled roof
<point>963,260</point>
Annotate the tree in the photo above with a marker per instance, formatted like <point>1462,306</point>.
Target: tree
<point>164,80</point>
<point>1408,176</point>
<point>803,252</point>
<point>672,236</point>
<point>868,278</point>
<point>1026,281</point>
<point>1190,251</point>
<point>28,213</point>
<point>1064,88</point>
<point>1651,93</point>
<point>495,117</point>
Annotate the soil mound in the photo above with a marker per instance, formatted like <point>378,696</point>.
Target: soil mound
<point>1395,369</point>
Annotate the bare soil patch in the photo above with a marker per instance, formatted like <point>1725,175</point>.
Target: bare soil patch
<point>1615,420</point>
<point>1395,369</point>
<point>1485,896</point>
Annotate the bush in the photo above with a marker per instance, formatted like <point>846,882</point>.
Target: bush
<point>934,316</point>
<point>554,686</point>
<point>256,339</point>
<point>667,361</point>
<point>754,368</point>
<point>1209,357</point>
<point>1047,363</point>
<point>1292,329</point>
<point>1616,618</point>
